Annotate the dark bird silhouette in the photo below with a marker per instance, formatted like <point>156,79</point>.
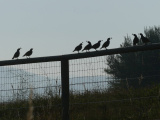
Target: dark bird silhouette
<point>144,39</point>
<point>97,45</point>
<point>17,53</point>
<point>78,48</point>
<point>88,46</point>
<point>135,40</point>
<point>106,44</point>
<point>28,53</point>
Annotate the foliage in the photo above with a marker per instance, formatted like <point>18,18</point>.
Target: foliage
<point>139,68</point>
<point>113,104</point>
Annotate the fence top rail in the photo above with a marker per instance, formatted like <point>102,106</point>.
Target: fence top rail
<point>81,55</point>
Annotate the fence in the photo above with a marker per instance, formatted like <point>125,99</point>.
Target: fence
<point>61,86</point>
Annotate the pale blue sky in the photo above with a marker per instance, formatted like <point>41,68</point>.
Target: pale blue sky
<point>55,27</point>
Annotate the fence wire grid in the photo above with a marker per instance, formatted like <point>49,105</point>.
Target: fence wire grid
<point>91,94</point>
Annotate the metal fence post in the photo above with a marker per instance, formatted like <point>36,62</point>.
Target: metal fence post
<point>65,88</point>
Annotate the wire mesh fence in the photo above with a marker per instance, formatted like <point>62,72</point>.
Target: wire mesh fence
<point>130,91</point>
<point>17,81</point>
<point>88,74</point>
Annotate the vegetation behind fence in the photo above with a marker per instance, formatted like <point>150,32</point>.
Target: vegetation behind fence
<point>78,86</point>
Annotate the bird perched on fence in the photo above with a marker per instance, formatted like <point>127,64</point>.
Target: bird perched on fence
<point>135,40</point>
<point>144,39</point>
<point>28,53</point>
<point>97,45</point>
<point>16,54</point>
<point>78,48</point>
<point>106,44</point>
<point>88,46</point>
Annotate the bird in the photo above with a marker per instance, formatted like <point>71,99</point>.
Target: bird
<point>78,48</point>
<point>106,44</point>
<point>96,45</point>
<point>144,39</point>
<point>135,40</point>
<point>88,46</point>
<point>17,53</point>
<point>28,53</point>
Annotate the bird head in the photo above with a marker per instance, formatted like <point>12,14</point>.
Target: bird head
<point>134,35</point>
<point>141,34</point>
<point>109,38</point>
<point>100,40</point>
<point>19,48</point>
<point>31,49</point>
<point>88,42</point>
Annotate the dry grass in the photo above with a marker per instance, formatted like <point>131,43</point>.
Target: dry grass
<point>88,106</point>
<point>30,111</point>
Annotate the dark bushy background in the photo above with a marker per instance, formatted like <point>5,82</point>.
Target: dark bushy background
<point>136,69</point>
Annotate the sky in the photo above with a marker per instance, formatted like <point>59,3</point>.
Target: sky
<point>56,27</point>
